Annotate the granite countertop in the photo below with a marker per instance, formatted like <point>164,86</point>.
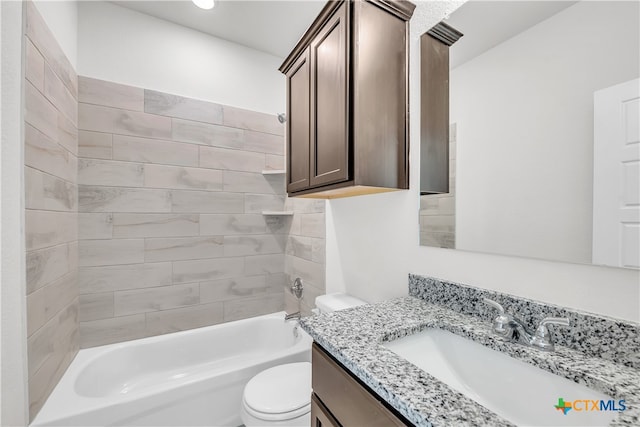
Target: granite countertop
<point>355,336</point>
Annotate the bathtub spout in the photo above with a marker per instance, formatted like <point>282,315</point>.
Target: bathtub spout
<point>292,316</point>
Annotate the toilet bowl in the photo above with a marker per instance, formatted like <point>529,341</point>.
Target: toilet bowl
<point>281,396</point>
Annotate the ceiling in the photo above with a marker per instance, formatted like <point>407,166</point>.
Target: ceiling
<point>486,24</point>
<point>274,26</point>
<point>270,26</point>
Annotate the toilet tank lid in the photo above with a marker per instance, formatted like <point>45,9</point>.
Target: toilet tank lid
<point>338,301</point>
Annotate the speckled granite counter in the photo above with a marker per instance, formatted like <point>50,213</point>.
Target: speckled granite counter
<point>355,337</point>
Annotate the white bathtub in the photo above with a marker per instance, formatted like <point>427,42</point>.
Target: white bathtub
<point>190,378</point>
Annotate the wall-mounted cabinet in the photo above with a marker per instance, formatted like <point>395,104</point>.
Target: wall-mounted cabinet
<point>347,101</point>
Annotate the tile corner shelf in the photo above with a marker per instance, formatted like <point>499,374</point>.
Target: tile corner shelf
<point>277,213</point>
<point>274,172</point>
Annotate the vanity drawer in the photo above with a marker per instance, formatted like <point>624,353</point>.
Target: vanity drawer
<point>345,397</point>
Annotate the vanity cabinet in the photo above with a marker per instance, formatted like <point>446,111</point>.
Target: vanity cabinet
<point>347,101</point>
<point>320,415</point>
<point>340,399</point>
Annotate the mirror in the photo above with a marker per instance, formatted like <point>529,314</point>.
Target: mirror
<point>544,135</point>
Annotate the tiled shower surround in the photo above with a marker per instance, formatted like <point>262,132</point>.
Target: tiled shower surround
<point>305,252</point>
<point>50,150</point>
<point>144,214</point>
<point>171,229</point>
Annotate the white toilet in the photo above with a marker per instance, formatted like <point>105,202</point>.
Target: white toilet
<point>281,396</point>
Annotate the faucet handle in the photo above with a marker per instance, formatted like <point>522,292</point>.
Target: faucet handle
<point>297,288</point>
<point>501,322</point>
<point>494,304</point>
<point>543,338</point>
<point>562,321</point>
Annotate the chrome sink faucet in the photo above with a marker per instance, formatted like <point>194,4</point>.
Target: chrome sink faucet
<point>514,329</point>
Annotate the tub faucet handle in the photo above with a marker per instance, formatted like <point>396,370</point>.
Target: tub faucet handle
<point>296,288</point>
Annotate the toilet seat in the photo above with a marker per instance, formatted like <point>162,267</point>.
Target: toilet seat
<point>279,393</point>
<point>265,416</point>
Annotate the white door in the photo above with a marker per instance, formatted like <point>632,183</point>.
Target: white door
<point>616,175</point>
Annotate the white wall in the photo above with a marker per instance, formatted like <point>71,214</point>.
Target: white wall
<point>524,114</point>
<point>123,46</point>
<point>62,19</point>
<point>376,237</point>
<point>13,354</point>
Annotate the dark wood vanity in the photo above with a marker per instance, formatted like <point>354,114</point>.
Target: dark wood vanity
<point>340,399</point>
<point>347,101</point>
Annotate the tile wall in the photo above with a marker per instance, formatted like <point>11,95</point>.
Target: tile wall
<point>144,214</point>
<point>51,198</point>
<point>171,230</point>
<point>305,252</point>
<point>438,211</point>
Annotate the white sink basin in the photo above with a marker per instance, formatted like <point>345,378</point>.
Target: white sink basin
<point>515,390</point>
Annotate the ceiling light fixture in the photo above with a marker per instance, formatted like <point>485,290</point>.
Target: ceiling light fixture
<point>204,4</point>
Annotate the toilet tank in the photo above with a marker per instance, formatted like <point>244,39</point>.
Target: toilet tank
<point>334,302</point>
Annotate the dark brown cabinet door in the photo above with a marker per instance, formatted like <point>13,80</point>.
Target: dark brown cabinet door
<point>320,416</point>
<point>329,156</point>
<point>298,125</point>
<point>351,67</point>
